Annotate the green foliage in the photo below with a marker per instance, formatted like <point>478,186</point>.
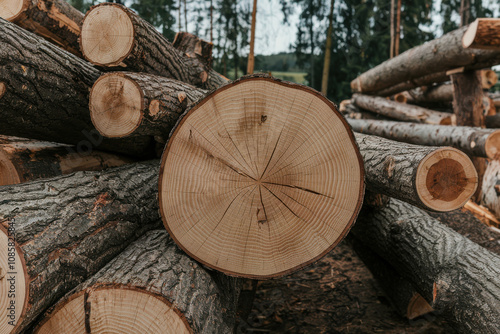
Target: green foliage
<point>159,13</point>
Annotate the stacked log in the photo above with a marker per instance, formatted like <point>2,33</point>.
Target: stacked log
<point>62,231</point>
<point>23,160</point>
<point>458,278</point>
<point>151,287</point>
<point>234,174</point>
<point>55,20</point>
<point>47,95</point>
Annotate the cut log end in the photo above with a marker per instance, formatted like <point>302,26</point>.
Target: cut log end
<point>10,10</point>
<point>446,179</point>
<point>492,145</point>
<point>418,307</point>
<point>13,285</point>
<point>105,310</point>
<point>470,34</point>
<point>3,89</point>
<point>116,105</point>
<point>260,179</point>
<point>8,173</point>
<point>107,35</point>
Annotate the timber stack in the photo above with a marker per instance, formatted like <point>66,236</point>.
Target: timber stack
<point>257,179</point>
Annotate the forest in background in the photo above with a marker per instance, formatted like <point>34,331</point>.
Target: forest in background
<point>360,39</point>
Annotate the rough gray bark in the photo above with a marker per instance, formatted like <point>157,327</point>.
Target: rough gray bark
<point>402,295</point>
<point>163,100</point>
<point>69,227</point>
<point>490,194</point>
<point>402,111</point>
<point>473,141</point>
<point>460,279</point>
<point>444,53</point>
<point>425,80</point>
<point>440,93</point>
<point>152,53</point>
<point>392,169</point>
<point>47,94</point>
<point>55,20</point>
<point>156,265</point>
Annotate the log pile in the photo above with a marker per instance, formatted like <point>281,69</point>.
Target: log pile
<point>258,178</point>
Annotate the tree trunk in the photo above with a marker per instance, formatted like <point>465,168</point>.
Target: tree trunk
<point>402,111</point>
<point>253,157</point>
<point>405,300</point>
<point>391,46</point>
<point>145,104</point>
<point>55,20</point>
<point>23,160</point>
<point>185,17</point>
<point>151,287</point>
<point>483,33</point>
<point>47,95</point>
<point>439,55</point>
<point>432,178</point>
<point>397,36</point>
<point>473,141</point>
<point>328,52</point>
<point>136,45</point>
<point>68,228</point>
<point>460,279</point>
<point>194,47</point>
<point>251,58</point>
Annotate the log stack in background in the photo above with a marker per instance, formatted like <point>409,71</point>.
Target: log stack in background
<point>258,179</point>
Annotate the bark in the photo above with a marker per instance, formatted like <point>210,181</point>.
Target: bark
<point>425,80</point>
<point>490,195</point>
<point>69,227</point>
<point>402,111</point>
<point>155,266</point>
<point>47,93</point>
<point>25,160</point>
<point>468,108</point>
<point>472,141</point>
<point>150,52</point>
<point>433,178</point>
<point>460,279</point>
<point>492,122</point>
<point>405,300</point>
<point>55,20</point>
<point>439,55</point>
<point>195,47</point>
<point>398,29</point>
<point>440,93</point>
<point>483,34</point>
<point>159,102</point>
<point>328,51</point>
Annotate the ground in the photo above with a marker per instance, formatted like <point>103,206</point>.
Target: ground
<point>338,294</point>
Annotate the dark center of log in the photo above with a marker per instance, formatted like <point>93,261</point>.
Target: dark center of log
<point>446,180</point>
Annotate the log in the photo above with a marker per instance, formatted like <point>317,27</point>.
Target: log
<point>425,80</point>
<point>442,54</point>
<point>193,46</point>
<point>483,33</point>
<point>152,287</point>
<point>489,78</point>
<point>432,178</point>
<point>472,141</point>
<point>492,122</point>
<point>138,104</point>
<point>468,108</point>
<point>405,300</point>
<point>23,160</point>
<point>114,36</point>
<point>63,230</point>
<point>55,20</point>
<point>459,279</point>
<point>47,94</point>
<point>402,111</point>
<point>490,194</point>
<point>250,177</point>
